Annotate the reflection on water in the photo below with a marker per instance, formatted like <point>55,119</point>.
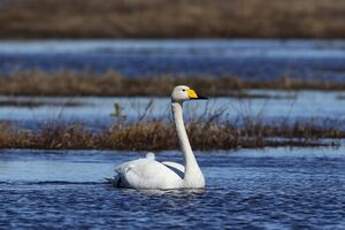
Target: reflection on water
<point>174,193</point>
<point>271,188</point>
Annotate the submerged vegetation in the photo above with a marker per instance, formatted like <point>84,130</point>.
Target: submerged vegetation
<point>158,135</point>
<point>172,19</point>
<point>68,83</point>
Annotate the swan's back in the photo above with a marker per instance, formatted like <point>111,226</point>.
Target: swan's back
<point>147,173</point>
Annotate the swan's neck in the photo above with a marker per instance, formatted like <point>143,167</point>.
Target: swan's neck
<point>193,176</point>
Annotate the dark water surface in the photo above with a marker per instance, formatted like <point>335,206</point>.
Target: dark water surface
<point>247,59</point>
<point>276,188</point>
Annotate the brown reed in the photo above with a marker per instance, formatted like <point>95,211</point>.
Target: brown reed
<point>157,135</point>
<point>166,19</point>
<point>68,83</point>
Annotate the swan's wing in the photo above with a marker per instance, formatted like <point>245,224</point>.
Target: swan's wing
<point>147,173</point>
<point>124,167</point>
<point>176,167</point>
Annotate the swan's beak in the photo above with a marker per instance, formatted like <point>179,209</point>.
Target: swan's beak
<point>194,96</point>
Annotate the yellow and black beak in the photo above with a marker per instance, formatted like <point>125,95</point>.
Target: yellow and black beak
<point>194,96</point>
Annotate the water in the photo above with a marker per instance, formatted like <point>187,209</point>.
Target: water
<point>322,108</point>
<point>274,188</point>
<point>247,59</point>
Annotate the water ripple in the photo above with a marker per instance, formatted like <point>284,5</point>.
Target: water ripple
<point>247,191</point>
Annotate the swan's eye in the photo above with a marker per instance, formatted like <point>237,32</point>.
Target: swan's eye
<point>183,90</point>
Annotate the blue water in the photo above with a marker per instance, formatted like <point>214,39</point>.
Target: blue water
<point>274,188</point>
<point>247,59</point>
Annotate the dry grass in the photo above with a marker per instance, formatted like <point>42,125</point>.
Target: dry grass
<point>158,136</point>
<point>179,18</point>
<point>67,83</point>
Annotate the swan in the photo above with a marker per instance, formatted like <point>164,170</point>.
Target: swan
<point>148,173</point>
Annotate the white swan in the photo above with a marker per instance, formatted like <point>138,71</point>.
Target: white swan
<point>147,173</point>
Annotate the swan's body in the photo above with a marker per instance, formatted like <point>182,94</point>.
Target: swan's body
<point>147,173</point>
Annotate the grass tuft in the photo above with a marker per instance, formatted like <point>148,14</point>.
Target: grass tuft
<point>158,135</point>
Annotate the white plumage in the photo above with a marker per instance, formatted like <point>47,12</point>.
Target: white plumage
<point>147,173</point>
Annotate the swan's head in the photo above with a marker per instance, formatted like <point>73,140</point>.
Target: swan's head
<point>183,93</point>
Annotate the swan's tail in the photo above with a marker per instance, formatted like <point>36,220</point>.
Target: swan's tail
<point>115,181</point>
